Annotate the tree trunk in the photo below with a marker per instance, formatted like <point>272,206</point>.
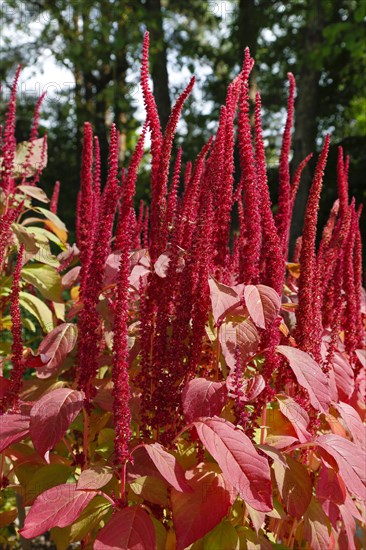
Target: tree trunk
<point>304,140</point>
<point>159,60</point>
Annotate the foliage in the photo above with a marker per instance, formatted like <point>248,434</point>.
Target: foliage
<point>167,384</point>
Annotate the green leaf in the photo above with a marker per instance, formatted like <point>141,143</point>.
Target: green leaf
<point>61,537</point>
<point>36,307</point>
<point>45,478</point>
<point>222,537</point>
<point>161,534</point>
<point>249,540</point>
<point>56,224</point>
<point>295,486</point>
<point>90,518</point>
<point>45,279</point>
<point>152,489</point>
<point>27,238</point>
<point>42,233</point>
<point>105,445</point>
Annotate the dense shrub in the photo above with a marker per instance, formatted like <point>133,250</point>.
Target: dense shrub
<point>166,383</point>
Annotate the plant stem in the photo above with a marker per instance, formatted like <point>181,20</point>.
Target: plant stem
<point>85,436</point>
<point>68,446</point>
<point>107,497</point>
<point>264,424</point>
<point>217,356</point>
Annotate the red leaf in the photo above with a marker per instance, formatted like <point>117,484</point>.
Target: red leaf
<point>316,529</point>
<point>52,415</point>
<point>57,507</point>
<point>128,529</point>
<point>55,347</point>
<point>330,491</point>
<point>353,423</point>
<point>298,417</point>
<point>198,512</point>
<point>263,304</point>
<point>14,428</point>
<point>242,334</point>
<point>5,384</point>
<point>94,477</point>
<point>309,375</point>
<point>240,463</point>
<point>168,466</point>
<point>223,299</point>
<point>203,397</point>
<point>350,459</point>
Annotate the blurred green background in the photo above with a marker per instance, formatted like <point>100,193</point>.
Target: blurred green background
<point>98,43</point>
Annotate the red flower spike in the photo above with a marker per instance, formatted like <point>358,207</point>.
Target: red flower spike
<point>6,220</point>
<point>173,192</point>
<point>297,178</point>
<point>152,116</point>
<point>121,389</point>
<point>351,314</point>
<point>306,329</point>
<point>272,256</point>
<point>89,320</point>
<point>158,201</point>
<point>85,207</point>
<point>128,190</point>
<point>357,270</point>
<point>283,218</point>
<point>342,182</point>
<point>9,142</point>
<point>54,198</point>
<point>11,397</point>
<point>250,250</point>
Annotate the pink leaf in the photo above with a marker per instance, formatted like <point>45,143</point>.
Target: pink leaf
<point>343,376</point>
<point>111,268</point>
<point>350,459</point>
<point>263,304</point>
<point>55,347</point>
<point>94,477</point>
<point>223,299</point>
<point>298,417</point>
<point>240,463</point>
<point>161,265</point>
<point>309,375</point>
<point>353,423</point>
<point>203,397</point>
<point>71,277</point>
<point>168,466</point>
<point>52,415</point>
<point>57,507</point>
<point>242,334</point>
<point>128,529</point>
<point>316,530</point>
<point>14,428</point>
<point>198,512</point>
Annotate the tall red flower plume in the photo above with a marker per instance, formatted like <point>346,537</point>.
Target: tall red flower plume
<point>308,333</point>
